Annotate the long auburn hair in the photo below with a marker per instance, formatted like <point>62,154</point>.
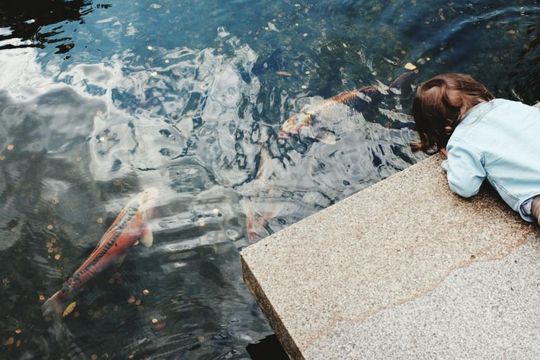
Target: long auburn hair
<point>440,105</point>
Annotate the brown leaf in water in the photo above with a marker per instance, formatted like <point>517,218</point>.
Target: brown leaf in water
<point>69,309</point>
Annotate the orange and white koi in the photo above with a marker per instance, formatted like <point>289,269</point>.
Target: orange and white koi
<point>358,100</point>
<point>130,226</point>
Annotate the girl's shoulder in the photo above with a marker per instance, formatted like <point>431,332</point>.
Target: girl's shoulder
<point>498,108</point>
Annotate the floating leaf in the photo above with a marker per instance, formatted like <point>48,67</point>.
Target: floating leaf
<point>410,66</point>
<point>69,309</point>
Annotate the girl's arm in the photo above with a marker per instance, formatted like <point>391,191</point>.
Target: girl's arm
<point>464,168</point>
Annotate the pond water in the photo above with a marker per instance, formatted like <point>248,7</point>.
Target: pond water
<point>100,100</point>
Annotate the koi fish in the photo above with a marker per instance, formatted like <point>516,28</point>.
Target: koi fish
<point>130,226</point>
<point>358,100</point>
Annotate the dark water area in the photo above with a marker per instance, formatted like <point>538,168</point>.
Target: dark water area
<point>101,100</point>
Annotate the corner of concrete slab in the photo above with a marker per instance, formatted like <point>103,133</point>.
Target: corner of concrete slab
<point>273,318</point>
<point>403,259</point>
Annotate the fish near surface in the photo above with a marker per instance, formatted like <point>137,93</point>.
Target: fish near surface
<point>130,226</point>
<point>359,100</point>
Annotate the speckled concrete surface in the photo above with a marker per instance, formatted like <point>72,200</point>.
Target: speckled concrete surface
<point>403,269</point>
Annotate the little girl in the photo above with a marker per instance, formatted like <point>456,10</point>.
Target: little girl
<point>482,137</point>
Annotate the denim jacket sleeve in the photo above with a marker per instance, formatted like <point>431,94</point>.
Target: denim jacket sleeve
<point>464,169</point>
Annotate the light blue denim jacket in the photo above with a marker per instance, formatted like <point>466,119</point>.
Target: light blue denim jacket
<point>498,140</point>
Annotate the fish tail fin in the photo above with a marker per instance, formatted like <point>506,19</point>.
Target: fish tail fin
<point>54,306</point>
<point>403,82</point>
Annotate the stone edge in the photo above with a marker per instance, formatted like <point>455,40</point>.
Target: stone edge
<point>269,312</point>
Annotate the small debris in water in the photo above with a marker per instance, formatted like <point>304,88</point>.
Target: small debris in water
<point>131,356</point>
<point>155,321</point>
<point>41,297</point>
<point>99,220</point>
<point>410,66</point>
<point>272,27</point>
<point>131,299</point>
<point>283,73</point>
<point>201,338</point>
<point>69,309</point>
<point>10,147</point>
<point>146,292</point>
<point>50,227</point>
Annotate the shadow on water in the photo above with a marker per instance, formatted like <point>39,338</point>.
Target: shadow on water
<point>25,23</point>
<point>268,348</point>
<point>525,73</point>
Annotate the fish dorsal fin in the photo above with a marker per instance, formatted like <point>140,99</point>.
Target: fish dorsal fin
<point>147,238</point>
<point>112,228</point>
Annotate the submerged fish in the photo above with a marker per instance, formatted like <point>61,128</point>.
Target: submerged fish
<point>358,100</point>
<point>130,226</point>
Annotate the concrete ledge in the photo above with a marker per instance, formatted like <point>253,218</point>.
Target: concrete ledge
<point>403,269</point>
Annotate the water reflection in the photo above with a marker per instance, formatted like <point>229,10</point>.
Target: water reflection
<point>25,23</point>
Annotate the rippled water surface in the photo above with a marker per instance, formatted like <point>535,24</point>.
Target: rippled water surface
<point>100,100</point>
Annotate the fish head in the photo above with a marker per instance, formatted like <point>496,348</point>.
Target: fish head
<point>294,124</point>
<point>147,201</point>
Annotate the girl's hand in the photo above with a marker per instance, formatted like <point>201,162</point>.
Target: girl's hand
<point>444,153</point>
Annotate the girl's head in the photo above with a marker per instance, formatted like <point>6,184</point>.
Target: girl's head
<point>440,104</point>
